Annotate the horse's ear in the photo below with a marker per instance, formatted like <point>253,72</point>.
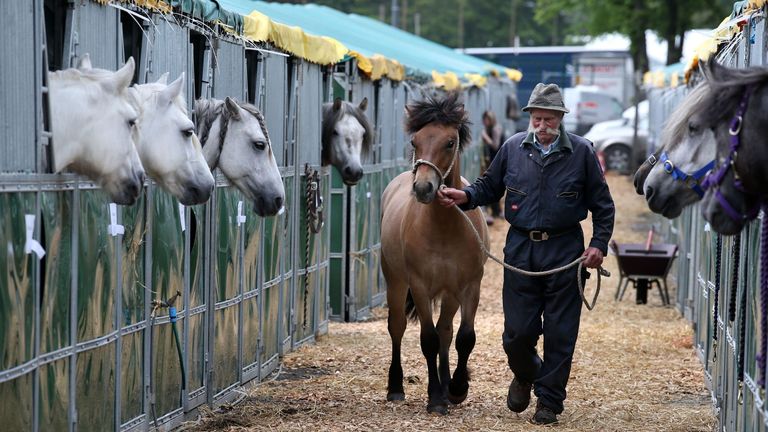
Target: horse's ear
<point>232,106</point>
<point>163,79</point>
<point>122,78</point>
<point>168,94</point>
<point>363,104</point>
<point>337,104</point>
<point>85,62</point>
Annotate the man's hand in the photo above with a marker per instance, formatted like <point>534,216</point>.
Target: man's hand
<point>594,257</point>
<point>448,197</point>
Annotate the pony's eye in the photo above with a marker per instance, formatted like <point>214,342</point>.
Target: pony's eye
<point>413,144</point>
<point>260,145</point>
<point>451,143</point>
<point>131,123</point>
<point>692,128</point>
<point>188,132</point>
<point>335,133</point>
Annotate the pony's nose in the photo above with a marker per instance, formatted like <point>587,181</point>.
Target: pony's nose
<point>279,202</point>
<point>422,188</point>
<point>353,174</point>
<point>649,192</point>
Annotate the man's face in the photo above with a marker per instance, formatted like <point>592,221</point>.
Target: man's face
<point>546,124</point>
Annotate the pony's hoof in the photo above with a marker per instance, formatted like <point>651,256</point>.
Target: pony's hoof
<point>457,399</point>
<point>457,393</point>
<point>395,397</point>
<point>441,409</point>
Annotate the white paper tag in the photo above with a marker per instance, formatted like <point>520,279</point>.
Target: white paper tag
<point>114,229</point>
<point>32,245</point>
<point>368,195</point>
<point>182,219</point>
<point>707,228</point>
<point>240,215</point>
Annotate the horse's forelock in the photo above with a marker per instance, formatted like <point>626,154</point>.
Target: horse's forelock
<point>447,111</point>
<point>677,124</point>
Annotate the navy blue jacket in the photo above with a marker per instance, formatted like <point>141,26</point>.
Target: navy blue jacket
<point>549,193</point>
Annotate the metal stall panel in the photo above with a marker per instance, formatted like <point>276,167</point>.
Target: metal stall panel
<point>170,51</point>
<point>167,270</point>
<point>95,31</point>
<point>252,292</point>
<point>226,252</point>
<point>132,313</point>
<point>308,151</point>
<point>19,78</point>
<point>55,313</point>
<point>277,232</point>
<point>17,312</point>
<point>97,286</point>
<point>229,71</point>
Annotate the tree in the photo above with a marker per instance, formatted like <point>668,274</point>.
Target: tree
<point>668,18</point>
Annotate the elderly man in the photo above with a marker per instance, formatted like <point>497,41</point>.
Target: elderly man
<point>551,179</point>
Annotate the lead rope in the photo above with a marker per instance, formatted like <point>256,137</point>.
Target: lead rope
<point>742,345</point>
<point>315,222</point>
<point>735,258</point>
<point>716,307</point>
<point>763,297</point>
<point>600,271</point>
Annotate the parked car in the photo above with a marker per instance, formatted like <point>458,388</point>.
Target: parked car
<point>613,139</point>
<point>588,105</point>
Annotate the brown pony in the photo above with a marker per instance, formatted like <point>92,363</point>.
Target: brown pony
<point>429,252</point>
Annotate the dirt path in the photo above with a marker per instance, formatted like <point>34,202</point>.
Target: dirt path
<point>634,368</point>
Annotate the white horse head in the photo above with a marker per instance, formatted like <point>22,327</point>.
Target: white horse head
<point>94,128</point>
<point>346,134</point>
<point>169,148</point>
<point>235,138</point>
<point>689,146</point>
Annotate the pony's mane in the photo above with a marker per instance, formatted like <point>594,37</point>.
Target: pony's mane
<point>728,86</point>
<point>677,123</point>
<point>207,111</point>
<point>447,111</point>
<point>331,117</point>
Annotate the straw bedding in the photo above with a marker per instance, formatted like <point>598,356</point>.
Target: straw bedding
<point>634,368</point>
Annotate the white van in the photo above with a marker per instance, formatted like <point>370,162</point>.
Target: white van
<point>587,106</point>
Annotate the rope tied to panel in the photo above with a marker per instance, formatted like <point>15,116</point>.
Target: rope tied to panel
<point>315,223</point>
<point>716,306</point>
<point>735,258</point>
<point>763,297</point>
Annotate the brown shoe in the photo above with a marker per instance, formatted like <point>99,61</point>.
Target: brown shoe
<point>544,415</point>
<point>519,395</point>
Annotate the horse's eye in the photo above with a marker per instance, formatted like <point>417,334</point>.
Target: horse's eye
<point>335,133</point>
<point>188,132</point>
<point>451,143</point>
<point>260,145</point>
<point>131,123</point>
<point>692,128</point>
<point>413,144</point>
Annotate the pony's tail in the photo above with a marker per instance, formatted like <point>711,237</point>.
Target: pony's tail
<point>410,307</point>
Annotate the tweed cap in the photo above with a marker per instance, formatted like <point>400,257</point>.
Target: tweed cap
<point>546,96</point>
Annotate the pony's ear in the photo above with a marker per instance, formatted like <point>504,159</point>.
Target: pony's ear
<point>168,94</point>
<point>85,62</point>
<point>337,104</point>
<point>232,106</point>
<point>163,79</point>
<point>122,78</point>
<point>363,104</point>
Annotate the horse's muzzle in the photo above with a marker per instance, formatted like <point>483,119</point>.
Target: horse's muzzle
<point>425,192</point>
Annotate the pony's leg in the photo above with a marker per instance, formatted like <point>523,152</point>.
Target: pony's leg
<point>465,342</point>
<point>448,308</point>
<point>396,323</point>
<point>430,346</point>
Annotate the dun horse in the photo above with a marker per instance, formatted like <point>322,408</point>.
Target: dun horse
<point>430,252</point>
<point>346,134</point>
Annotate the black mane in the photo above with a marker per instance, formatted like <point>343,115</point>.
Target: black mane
<point>448,111</point>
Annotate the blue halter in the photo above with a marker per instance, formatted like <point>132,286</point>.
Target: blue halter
<point>691,180</point>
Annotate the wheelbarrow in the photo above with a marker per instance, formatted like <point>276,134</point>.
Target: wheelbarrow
<point>644,265</point>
